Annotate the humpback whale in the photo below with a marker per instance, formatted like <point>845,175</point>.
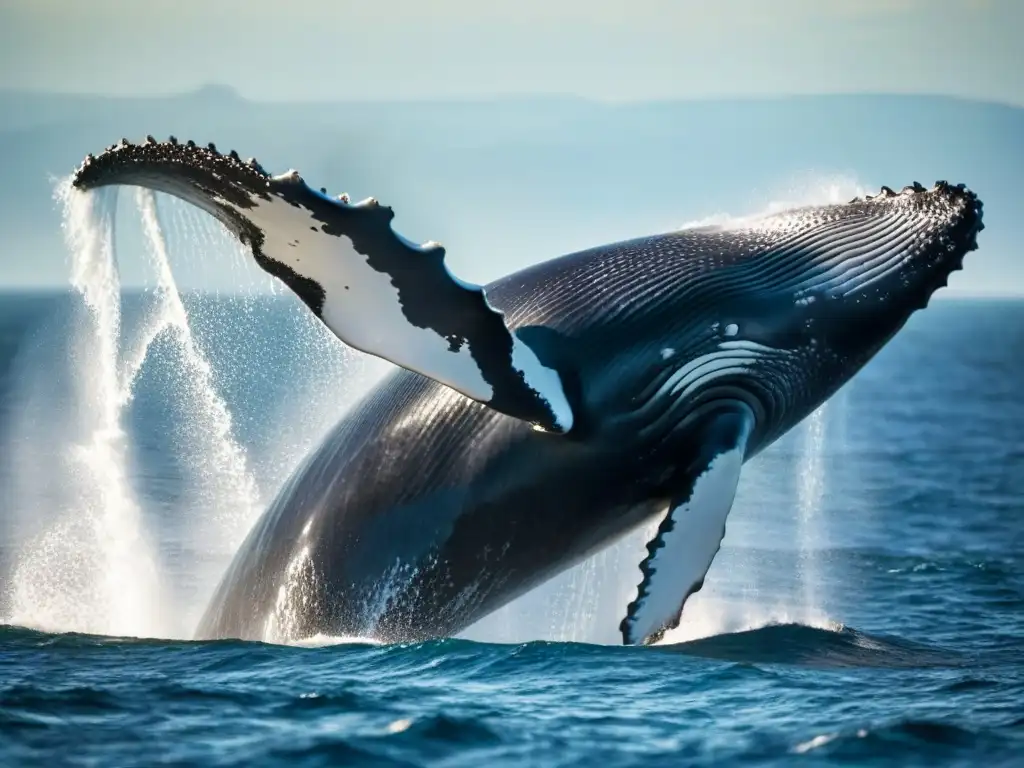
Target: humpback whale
<point>535,420</point>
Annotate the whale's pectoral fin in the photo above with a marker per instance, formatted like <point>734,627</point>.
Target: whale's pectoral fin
<point>691,533</point>
<point>376,291</point>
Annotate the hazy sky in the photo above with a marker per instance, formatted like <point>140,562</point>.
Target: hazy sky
<point>329,49</point>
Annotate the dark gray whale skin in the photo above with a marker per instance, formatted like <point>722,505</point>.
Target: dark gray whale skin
<point>422,511</point>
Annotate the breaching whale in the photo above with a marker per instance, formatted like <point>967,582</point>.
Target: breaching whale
<point>537,419</point>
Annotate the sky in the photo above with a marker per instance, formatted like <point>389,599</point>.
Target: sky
<point>424,49</point>
<point>640,50</point>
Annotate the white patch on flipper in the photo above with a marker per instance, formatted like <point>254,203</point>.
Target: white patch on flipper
<point>362,306</point>
<point>686,551</point>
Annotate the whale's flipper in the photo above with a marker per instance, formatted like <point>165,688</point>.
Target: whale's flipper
<point>689,537</point>
<point>374,289</point>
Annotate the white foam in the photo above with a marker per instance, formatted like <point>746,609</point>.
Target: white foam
<point>812,744</point>
<point>327,641</point>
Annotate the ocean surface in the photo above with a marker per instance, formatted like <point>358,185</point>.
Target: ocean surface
<point>867,607</point>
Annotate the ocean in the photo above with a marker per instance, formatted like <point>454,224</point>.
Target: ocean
<point>867,607</point>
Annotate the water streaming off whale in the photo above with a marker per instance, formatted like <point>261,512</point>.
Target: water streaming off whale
<point>95,569</point>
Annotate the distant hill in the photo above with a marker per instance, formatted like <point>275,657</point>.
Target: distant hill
<point>508,182</point>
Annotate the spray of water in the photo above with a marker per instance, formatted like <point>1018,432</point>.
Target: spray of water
<point>810,494</point>
<point>95,570</point>
<point>92,567</point>
<point>216,457</point>
<point>317,377</point>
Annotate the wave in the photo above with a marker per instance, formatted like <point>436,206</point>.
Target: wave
<point>927,740</point>
<point>462,702</point>
<point>789,644</point>
<point>803,645</point>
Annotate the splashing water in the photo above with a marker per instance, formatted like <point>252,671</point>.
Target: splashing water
<point>226,496</point>
<point>95,570</point>
<point>811,492</point>
<point>216,456</point>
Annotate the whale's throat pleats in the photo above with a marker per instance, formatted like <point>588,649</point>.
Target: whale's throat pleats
<point>692,530</point>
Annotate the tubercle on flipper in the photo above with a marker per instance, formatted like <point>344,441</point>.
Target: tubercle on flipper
<point>96,170</point>
<point>91,171</point>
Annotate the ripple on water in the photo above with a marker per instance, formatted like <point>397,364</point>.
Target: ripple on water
<point>905,742</point>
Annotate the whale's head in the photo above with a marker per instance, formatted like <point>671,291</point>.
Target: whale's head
<point>863,268</point>
<point>789,306</point>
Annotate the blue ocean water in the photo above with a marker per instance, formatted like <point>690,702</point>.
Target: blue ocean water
<point>867,607</point>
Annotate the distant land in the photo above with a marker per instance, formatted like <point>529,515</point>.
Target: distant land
<point>507,182</point>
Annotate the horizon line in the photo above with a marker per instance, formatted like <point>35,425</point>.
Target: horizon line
<point>229,92</point>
